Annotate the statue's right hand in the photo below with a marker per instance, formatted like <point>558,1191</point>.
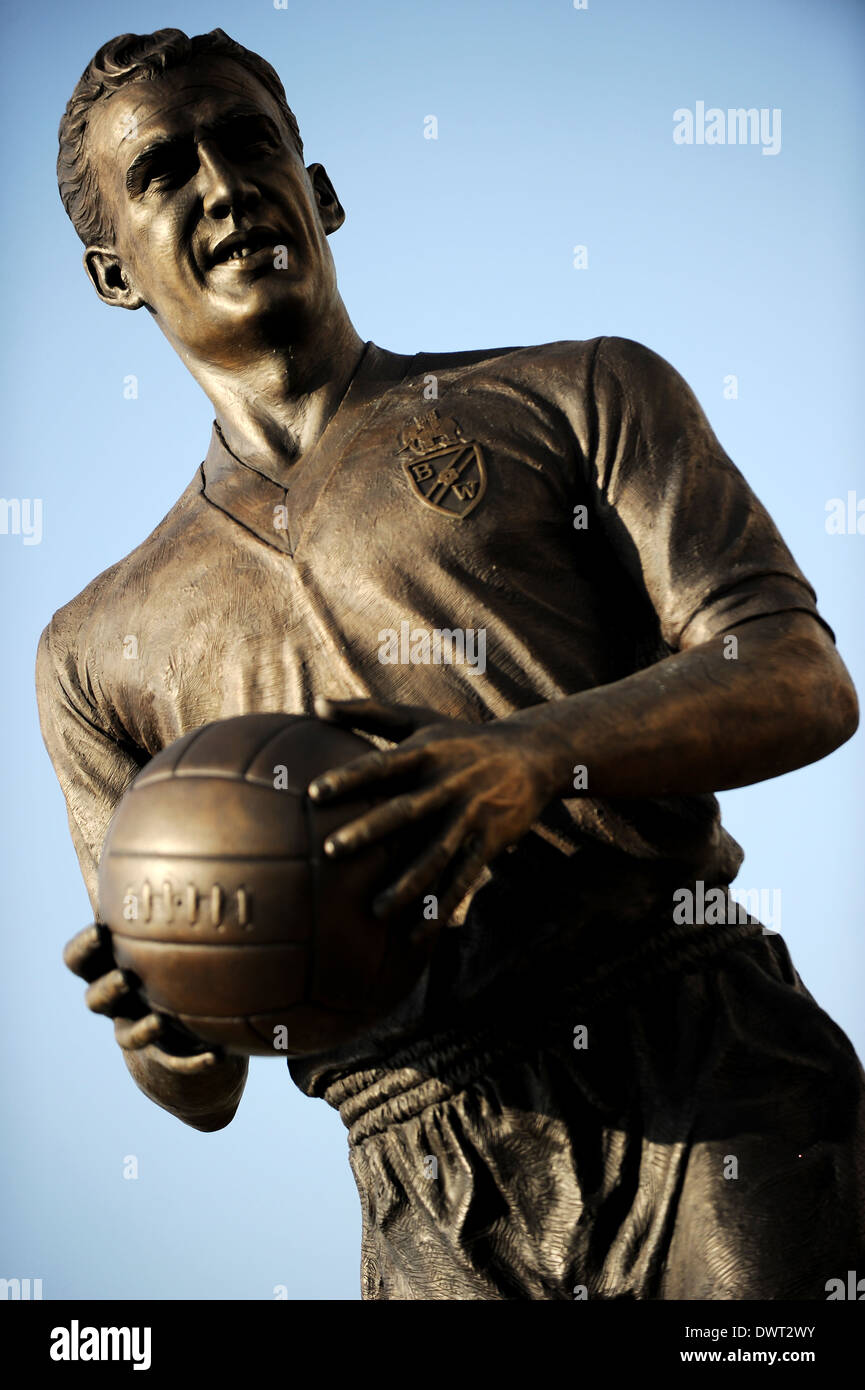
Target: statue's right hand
<point>115,993</point>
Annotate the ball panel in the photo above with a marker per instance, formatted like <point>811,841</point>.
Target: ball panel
<point>228,746</point>
<point>347,956</point>
<point>308,1028</point>
<point>302,1029</point>
<point>163,763</point>
<point>348,942</point>
<point>374,956</point>
<point>304,749</point>
<point>233,1034</point>
<point>221,981</point>
<point>207,816</point>
<point>201,901</point>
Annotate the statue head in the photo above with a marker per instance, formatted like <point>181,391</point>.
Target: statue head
<point>181,168</point>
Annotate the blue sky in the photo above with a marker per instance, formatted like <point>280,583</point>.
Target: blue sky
<point>555,130</point>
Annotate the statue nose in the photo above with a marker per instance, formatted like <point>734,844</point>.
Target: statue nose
<point>226,188</point>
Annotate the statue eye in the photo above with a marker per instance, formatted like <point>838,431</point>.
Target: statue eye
<point>172,175</point>
<point>253,144</point>
<point>248,136</point>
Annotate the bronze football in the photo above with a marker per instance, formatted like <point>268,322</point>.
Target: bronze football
<point>215,885</point>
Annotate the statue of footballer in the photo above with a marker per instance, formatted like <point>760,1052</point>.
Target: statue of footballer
<point>561,621</point>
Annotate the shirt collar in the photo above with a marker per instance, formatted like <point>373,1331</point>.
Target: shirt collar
<point>258,502</point>
<point>245,494</point>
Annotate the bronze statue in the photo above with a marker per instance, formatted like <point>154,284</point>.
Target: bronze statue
<point>590,1093</point>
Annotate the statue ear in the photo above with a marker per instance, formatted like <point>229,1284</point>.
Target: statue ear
<point>106,271</point>
<point>330,209</point>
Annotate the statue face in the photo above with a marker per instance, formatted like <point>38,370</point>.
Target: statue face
<point>203,181</point>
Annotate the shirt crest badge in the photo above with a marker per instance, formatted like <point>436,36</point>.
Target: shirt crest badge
<point>446,470</point>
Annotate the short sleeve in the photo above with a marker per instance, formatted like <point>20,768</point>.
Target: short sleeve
<point>93,769</point>
<point>679,514</point>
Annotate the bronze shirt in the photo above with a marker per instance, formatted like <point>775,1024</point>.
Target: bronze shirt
<point>570,501</point>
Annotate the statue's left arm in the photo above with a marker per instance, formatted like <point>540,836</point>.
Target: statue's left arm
<point>753,686</point>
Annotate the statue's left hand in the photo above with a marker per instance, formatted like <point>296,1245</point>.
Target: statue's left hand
<point>485,783</point>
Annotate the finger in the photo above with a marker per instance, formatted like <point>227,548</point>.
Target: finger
<point>422,874</point>
<point>89,953</point>
<point>370,768</point>
<point>114,994</point>
<point>133,1034</point>
<point>395,722</point>
<point>465,871</point>
<point>383,820</point>
<point>185,1066</point>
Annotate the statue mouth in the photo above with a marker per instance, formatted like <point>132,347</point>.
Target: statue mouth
<point>246,249</point>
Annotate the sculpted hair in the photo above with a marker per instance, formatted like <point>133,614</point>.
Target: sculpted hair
<point>138,58</point>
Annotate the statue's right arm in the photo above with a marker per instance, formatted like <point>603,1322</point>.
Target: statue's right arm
<point>201,1087</point>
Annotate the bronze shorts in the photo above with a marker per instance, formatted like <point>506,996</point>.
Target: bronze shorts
<point>705,1142</point>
